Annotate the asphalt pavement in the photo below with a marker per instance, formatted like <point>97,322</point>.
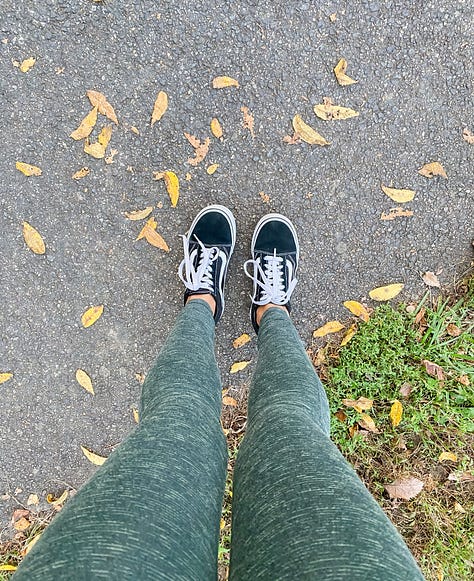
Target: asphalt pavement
<point>413,62</point>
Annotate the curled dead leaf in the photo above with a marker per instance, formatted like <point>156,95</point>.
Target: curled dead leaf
<point>4,377</point>
<point>216,128</point>
<point>349,334</point>
<point>84,381</point>
<point>433,369</point>
<point>328,111</point>
<point>93,457</point>
<point>340,72</point>
<point>432,169</point>
<point>211,169</point>
<point>404,488</point>
<point>405,389</point>
<point>430,279</point>
<point>139,214</point>
<point>396,412</point>
<point>399,196</point>
<point>468,135</point>
<point>396,213</point>
<point>241,340</point>
<point>201,148</point>
<point>32,500</point>
<point>367,423</point>
<point>360,405</point>
<point>51,498</point>
<point>104,107</point>
<point>27,64</point>
<point>86,126</point>
<point>341,415</point>
<point>95,149</point>
<point>91,315</point>
<point>357,309</point>
<point>329,327</point>
<point>248,120</point>
<point>385,293</point>
<point>307,133</point>
<point>81,173</point>
<point>28,169</point>
<point>292,139</point>
<point>453,330</point>
<point>33,239</point>
<point>238,366</point>
<point>151,235</point>
<point>227,400</point>
<point>136,415</point>
<point>464,380</point>
<point>159,108</point>
<point>265,197</point>
<point>105,136</point>
<point>21,524</point>
<point>110,158</point>
<point>222,82</point>
<point>447,456</point>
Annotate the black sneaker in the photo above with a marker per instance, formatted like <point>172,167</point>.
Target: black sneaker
<point>208,246</point>
<point>275,253</point>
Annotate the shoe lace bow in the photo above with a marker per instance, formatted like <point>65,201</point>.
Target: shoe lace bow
<point>270,280</point>
<point>200,277</point>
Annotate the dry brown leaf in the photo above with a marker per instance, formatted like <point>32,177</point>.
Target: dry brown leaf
<point>396,412</point>
<point>151,223</point>
<point>447,456</point>
<point>110,158</point>
<point>399,196</point>
<point>396,213</point>
<point>84,381</point>
<point>188,177</point>
<point>349,334</point>
<point>32,500</point>
<point>464,380</point>
<point>432,169</point>
<point>405,488</point>
<point>91,315</point>
<point>453,330</point>
<point>265,197</point>
<point>139,214</point>
<point>93,457</point>
<point>105,108</point>
<point>30,545</point>
<point>33,239</point>
<point>105,136</point>
<point>360,405</point>
<point>159,108</point>
<point>4,377</point>
<point>51,498</point>
<point>307,133</point>
<point>329,327</point>
<point>385,293</point>
<point>328,111</point>
<point>81,173</point>
<point>333,16</point>
<point>95,149</point>
<point>227,400</point>
<point>28,169</point>
<point>140,377</point>
<point>459,476</point>
<point>238,366</point>
<point>242,340</point>
<point>86,126</point>
<point>201,148</point>
<point>211,169</point>
<point>292,139</point>
<point>27,64</point>
<point>367,423</point>
<point>468,135</point>
<point>433,369</point>
<point>357,309</point>
<point>151,235</point>
<point>136,415</point>
<point>133,129</point>
<point>405,389</point>
<point>341,415</point>
<point>22,524</point>
<point>340,72</point>
<point>430,279</point>
<point>223,81</point>
<point>248,120</point>
<point>216,128</point>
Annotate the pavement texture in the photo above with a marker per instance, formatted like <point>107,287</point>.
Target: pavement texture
<point>413,62</point>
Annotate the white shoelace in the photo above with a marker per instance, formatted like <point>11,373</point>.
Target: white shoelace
<point>272,280</point>
<point>200,277</point>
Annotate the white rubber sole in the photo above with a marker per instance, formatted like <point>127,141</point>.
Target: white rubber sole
<point>270,218</point>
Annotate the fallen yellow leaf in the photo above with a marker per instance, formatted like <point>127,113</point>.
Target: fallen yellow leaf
<point>242,340</point>
<point>367,423</point>
<point>105,136</point>
<point>136,415</point>
<point>27,64</point>
<point>4,377</point>
<point>433,169</point>
<point>328,111</point>
<point>385,293</point>
<point>222,525</point>
<point>84,381</point>
<point>172,186</point>
<point>399,196</point>
<point>396,213</point>
<point>133,129</point>
<point>211,169</point>
<point>81,173</point>
<point>159,108</point>
<point>201,148</point>
<point>238,366</point>
<point>139,214</point>
<point>93,457</point>
<point>22,524</point>
<point>307,133</point>
<point>330,327</point>
<point>360,405</point>
<point>90,316</point>
<point>8,567</point>
<point>32,499</point>
<point>27,169</point>
<point>105,108</point>
<point>216,128</point>
<point>33,239</point>
<point>222,82</point>
<point>357,309</point>
<point>95,149</point>
<point>340,72</point>
<point>447,456</point>
<point>86,126</point>
<point>227,400</point>
<point>151,235</point>
<point>349,334</point>
<point>51,499</point>
<point>396,412</point>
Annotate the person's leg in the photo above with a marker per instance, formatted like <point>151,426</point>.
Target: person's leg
<point>299,510</point>
<point>152,511</point>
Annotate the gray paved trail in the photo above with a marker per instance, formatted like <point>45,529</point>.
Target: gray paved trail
<point>414,65</point>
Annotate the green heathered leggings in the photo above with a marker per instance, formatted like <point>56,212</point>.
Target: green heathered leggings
<point>153,510</point>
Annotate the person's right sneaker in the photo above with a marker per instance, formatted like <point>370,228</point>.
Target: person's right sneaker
<point>275,253</point>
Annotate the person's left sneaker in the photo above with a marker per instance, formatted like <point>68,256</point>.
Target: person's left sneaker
<point>208,246</point>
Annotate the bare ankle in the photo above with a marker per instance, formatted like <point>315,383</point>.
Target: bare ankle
<point>208,298</point>
<point>263,308</point>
